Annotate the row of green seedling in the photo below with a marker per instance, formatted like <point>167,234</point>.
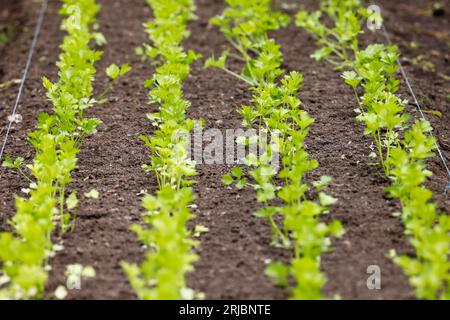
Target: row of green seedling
<point>276,108</point>
<point>26,249</point>
<point>402,144</point>
<point>168,240</point>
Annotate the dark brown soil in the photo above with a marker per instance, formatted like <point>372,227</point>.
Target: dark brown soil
<point>234,252</point>
<point>11,20</point>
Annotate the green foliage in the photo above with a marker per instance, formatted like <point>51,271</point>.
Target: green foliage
<point>429,231</point>
<point>402,148</point>
<point>114,72</point>
<point>322,183</point>
<point>170,253</point>
<point>24,251</point>
<point>162,276</point>
<point>12,164</point>
<point>339,43</point>
<point>245,25</point>
<point>279,272</point>
<point>93,194</point>
<point>276,108</point>
<point>236,175</point>
<point>380,109</point>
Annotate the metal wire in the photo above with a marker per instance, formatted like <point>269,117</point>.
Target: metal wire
<point>419,107</point>
<point>37,31</point>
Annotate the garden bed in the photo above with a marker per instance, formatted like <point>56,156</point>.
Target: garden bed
<point>234,252</point>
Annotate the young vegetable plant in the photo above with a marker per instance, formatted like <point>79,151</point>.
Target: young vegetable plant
<point>236,176</point>
<point>402,148</point>
<point>339,43</point>
<point>275,107</point>
<point>169,241</point>
<point>114,73</point>
<point>24,252</point>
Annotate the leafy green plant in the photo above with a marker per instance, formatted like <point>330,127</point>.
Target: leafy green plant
<point>170,253</point>
<point>114,73</point>
<point>245,25</point>
<point>236,176</point>
<point>428,229</point>
<point>275,107</point>
<point>24,251</point>
<point>402,148</point>
<point>338,43</point>
<point>381,111</point>
<point>170,256</point>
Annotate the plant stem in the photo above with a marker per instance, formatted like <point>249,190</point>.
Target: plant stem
<point>277,230</point>
<point>25,176</point>
<point>61,208</point>
<point>238,76</point>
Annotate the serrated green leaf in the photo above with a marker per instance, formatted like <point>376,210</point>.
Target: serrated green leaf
<point>227,179</point>
<point>113,71</point>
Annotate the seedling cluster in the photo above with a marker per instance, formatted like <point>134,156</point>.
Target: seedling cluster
<point>275,106</point>
<point>170,245</point>
<point>24,252</point>
<point>403,144</point>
